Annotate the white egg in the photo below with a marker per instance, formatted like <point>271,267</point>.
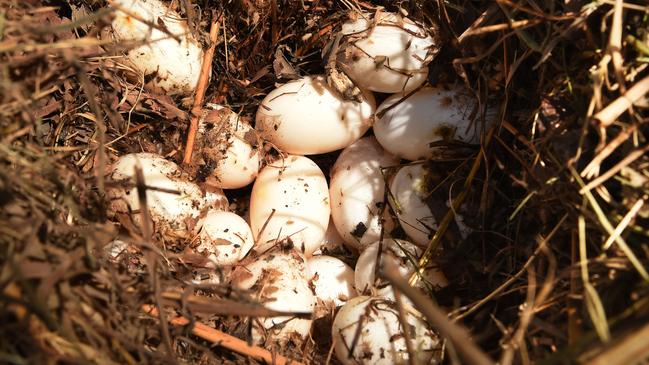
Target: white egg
<point>398,253</point>
<point>173,202</point>
<point>375,326</point>
<point>224,237</point>
<point>332,280</point>
<point>331,240</point>
<point>115,249</point>
<point>280,282</point>
<point>211,276</point>
<point>173,65</point>
<point>429,115</point>
<point>230,144</point>
<point>409,190</point>
<point>215,199</point>
<point>387,53</point>
<point>402,254</point>
<point>357,192</point>
<point>290,202</point>
<point>306,117</point>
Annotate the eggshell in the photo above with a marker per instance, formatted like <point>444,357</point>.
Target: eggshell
<point>429,115</point>
<point>332,280</point>
<point>307,116</point>
<point>331,240</point>
<point>398,253</point>
<point>215,199</point>
<point>172,65</point>
<point>386,53</point>
<point>409,190</point>
<point>208,277</point>
<point>230,145</point>
<point>290,202</point>
<point>380,340</point>
<point>115,249</point>
<point>172,201</point>
<point>358,192</point>
<point>281,283</point>
<point>224,237</point>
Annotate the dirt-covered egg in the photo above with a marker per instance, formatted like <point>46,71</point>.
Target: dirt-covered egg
<point>386,52</point>
<point>402,254</point>
<point>332,281</point>
<point>431,115</point>
<point>398,253</point>
<point>173,202</point>
<point>281,283</point>
<point>289,203</point>
<point>224,237</point>
<point>115,249</point>
<point>358,192</point>
<point>409,191</point>
<point>228,147</point>
<point>209,276</point>
<point>170,58</point>
<point>306,116</point>
<point>373,325</point>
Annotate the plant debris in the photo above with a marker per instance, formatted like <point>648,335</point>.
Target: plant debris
<point>554,271</point>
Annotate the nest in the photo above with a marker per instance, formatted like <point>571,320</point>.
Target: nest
<point>554,271</point>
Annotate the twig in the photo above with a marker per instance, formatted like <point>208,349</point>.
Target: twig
<point>608,227</point>
<point>628,351</point>
<point>615,44</point>
<point>624,223</point>
<point>592,168</point>
<point>594,305</point>
<point>504,26</point>
<point>634,155</point>
<point>457,334</point>
<point>534,301</point>
<point>609,114</point>
<point>149,23</point>
<point>412,358</point>
<point>479,21</point>
<point>225,340</point>
<point>201,88</point>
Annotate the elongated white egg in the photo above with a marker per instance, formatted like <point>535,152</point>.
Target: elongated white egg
<point>373,324</point>
<point>290,202</point>
<point>409,127</point>
<point>386,52</point>
<point>229,144</point>
<point>409,190</point>
<point>397,253</point>
<point>306,116</point>
<point>358,192</point>
<point>224,237</point>
<point>400,253</point>
<point>171,59</point>
<point>332,280</point>
<point>282,285</point>
<point>173,201</point>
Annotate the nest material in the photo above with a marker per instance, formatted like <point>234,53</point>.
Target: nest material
<point>555,268</point>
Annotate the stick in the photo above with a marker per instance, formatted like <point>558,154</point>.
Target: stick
<point>613,110</point>
<point>455,333</point>
<point>222,339</point>
<point>632,156</point>
<point>201,88</point>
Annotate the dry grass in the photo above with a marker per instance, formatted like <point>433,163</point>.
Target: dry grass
<point>555,271</point>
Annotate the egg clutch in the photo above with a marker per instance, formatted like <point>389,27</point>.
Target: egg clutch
<point>296,212</point>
